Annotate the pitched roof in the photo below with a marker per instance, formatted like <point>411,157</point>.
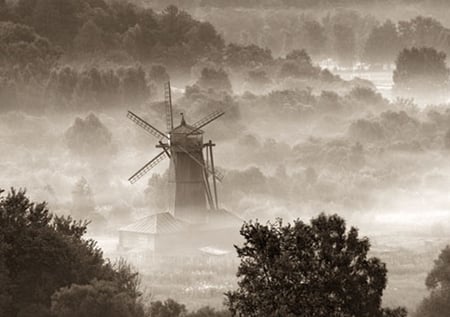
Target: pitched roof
<point>161,223</point>
<point>185,129</point>
<point>220,219</point>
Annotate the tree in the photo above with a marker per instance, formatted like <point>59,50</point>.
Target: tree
<point>383,45</point>
<point>437,304</point>
<point>307,270</point>
<point>40,253</point>
<point>89,39</point>
<point>57,20</point>
<point>168,308</point>
<point>344,44</point>
<point>100,298</point>
<point>421,31</point>
<point>421,70</point>
<point>447,139</point>
<point>21,47</point>
<point>247,56</point>
<point>89,137</point>
<point>215,79</point>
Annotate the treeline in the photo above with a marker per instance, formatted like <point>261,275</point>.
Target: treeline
<point>302,4</point>
<point>118,29</point>
<point>41,32</point>
<point>69,88</point>
<point>346,36</point>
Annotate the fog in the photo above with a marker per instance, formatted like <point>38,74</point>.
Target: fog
<point>314,122</point>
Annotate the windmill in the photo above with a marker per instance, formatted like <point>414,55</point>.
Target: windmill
<point>191,162</point>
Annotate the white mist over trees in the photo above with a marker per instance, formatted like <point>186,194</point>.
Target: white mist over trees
<point>296,139</point>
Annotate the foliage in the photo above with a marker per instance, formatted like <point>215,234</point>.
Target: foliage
<point>97,299</point>
<point>303,270</point>
<point>344,44</point>
<point>298,64</point>
<point>421,69</point>
<point>89,137</point>
<point>250,55</point>
<point>42,252</point>
<point>437,304</point>
<point>93,87</point>
<point>215,79</point>
<point>168,308</point>
<point>383,44</point>
<point>22,47</point>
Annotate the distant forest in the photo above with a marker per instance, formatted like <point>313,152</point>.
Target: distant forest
<point>68,54</point>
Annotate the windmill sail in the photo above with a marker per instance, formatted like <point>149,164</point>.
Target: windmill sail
<point>147,167</point>
<point>146,126</point>
<point>208,119</point>
<point>168,102</point>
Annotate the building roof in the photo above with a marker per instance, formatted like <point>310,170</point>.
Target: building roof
<point>220,219</point>
<point>185,128</point>
<point>161,223</point>
<point>166,223</point>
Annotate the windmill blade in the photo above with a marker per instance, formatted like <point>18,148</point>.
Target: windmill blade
<point>215,174</point>
<point>147,167</point>
<point>146,126</point>
<point>168,102</point>
<point>208,119</point>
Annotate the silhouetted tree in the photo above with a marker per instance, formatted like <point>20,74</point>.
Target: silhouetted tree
<point>168,308</point>
<point>40,253</point>
<point>307,270</point>
<point>100,298</point>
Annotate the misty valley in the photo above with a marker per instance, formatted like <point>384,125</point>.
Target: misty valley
<point>221,158</point>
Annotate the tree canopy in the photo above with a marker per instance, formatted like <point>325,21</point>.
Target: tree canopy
<point>298,269</point>
<point>40,253</point>
<point>422,70</point>
<point>437,304</point>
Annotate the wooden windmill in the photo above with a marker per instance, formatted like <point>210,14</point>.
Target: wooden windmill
<point>191,162</point>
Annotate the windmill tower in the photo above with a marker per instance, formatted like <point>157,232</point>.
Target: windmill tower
<point>191,163</point>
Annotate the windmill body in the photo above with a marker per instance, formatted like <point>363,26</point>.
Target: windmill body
<point>187,175</point>
<point>194,220</point>
<point>190,172</point>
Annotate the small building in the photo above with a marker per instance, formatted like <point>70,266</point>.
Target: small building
<point>162,233</point>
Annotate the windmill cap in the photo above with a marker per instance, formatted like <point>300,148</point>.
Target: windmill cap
<point>185,128</point>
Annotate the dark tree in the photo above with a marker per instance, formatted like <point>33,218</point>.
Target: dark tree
<point>421,70</point>
<point>298,269</point>
<point>437,304</point>
<point>101,298</point>
<point>168,308</point>
<point>21,47</point>
<point>421,31</point>
<point>41,252</point>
